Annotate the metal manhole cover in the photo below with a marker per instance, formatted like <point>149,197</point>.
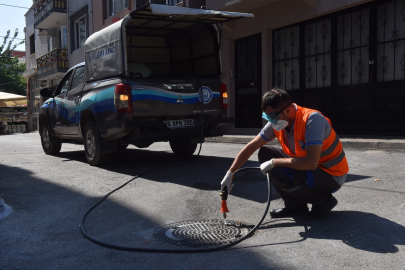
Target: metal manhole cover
<point>197,233</point>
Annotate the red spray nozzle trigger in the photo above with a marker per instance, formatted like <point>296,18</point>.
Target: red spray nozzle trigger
<point>224,207</point>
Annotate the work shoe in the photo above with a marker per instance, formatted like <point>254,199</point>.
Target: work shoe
<point>320,211</point>
<point>288,211</point>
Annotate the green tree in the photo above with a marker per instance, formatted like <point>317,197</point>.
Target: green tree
<point>11,79</point>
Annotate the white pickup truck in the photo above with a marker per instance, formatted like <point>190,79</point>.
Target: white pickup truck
<point>152,76</point>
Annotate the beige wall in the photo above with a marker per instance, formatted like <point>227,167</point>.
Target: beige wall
<point>29,30</point>
<point>269,15</point>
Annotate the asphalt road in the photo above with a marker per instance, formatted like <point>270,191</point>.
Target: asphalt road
<point>46,197</point>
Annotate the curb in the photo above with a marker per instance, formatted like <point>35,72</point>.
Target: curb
<point>348,143</point>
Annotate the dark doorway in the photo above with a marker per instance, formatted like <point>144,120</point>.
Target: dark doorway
<point>248,82</point>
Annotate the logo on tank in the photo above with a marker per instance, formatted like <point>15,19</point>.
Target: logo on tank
<point>205,94</point>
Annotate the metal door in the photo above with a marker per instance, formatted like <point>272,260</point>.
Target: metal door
<point>389,67</point>
<point>317,66</point>
<point>354,96</point>
<point>286,62</point>
<point>248,80</point>
<point>350,66</point>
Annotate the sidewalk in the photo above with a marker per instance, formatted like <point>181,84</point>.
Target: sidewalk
<point>356,142</point>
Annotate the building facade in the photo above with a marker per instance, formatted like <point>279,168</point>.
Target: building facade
<point>344,58</point>
<point>33,85</point>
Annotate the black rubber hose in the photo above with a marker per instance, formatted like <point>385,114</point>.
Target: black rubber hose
<point>172,250</point>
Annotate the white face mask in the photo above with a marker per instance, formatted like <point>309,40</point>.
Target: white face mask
<point>281,124</point>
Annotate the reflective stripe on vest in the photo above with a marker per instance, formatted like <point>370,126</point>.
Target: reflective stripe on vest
<point>333,162</point>
<point>331,147</point>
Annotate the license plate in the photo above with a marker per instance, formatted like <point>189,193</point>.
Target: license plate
<point>183,123</point>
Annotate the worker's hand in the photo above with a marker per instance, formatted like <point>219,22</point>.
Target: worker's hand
<point>227,181</point>
<point>266,166</point>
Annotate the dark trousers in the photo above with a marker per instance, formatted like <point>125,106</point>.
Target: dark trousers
<point>298,187</point>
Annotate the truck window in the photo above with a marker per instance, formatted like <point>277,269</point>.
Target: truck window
<point>64,84</point>
<point>184,52</point>
<point>78,77</point>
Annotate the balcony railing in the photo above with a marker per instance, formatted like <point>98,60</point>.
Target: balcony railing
<point>43,8</point>
<point>52,62</point>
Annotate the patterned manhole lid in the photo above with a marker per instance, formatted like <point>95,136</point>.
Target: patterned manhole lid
<point>197,233</point>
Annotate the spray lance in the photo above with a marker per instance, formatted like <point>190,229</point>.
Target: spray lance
<point>224,207</point>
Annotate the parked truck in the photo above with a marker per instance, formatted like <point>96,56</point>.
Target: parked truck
<point>152,76</point>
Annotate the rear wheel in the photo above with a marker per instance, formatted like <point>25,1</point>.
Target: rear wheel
<point>183,147</point>
<point>92,146</point>
<point>49,146</point>
<point>122,147</point>
<point>143,144</point>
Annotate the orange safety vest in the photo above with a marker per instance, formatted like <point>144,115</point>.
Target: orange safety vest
<point>332,160</point>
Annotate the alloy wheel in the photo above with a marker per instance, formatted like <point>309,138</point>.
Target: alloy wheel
<point>90,143</point>
<point>45,138</point>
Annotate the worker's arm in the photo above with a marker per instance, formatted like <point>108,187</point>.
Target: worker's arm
<point>240,159</point>
<point>309,162</point>
<point>246,152</point>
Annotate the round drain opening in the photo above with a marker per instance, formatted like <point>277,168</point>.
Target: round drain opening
<point>197,233</point>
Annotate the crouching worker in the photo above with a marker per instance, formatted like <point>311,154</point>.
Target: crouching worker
<point>311,164</point>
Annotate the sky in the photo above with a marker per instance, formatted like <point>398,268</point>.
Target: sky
<point>12,18</point>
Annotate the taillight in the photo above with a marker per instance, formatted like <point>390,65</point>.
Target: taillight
<point>123,98</point>
<point>224,96</point>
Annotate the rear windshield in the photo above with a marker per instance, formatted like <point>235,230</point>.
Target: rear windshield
<point>168,52</point>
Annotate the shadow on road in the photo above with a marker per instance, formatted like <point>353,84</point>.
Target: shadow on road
<point>43,231</point>
<point>355,177</point>
<point>201,172</point>
<point>360,230</point>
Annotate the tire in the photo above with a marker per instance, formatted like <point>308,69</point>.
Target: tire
<point>49,146</point>
<point>143,144</point>
<point>92,145</point>
<point>122,147</point>
<point>183,148</point>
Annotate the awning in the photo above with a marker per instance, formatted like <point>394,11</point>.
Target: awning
<point>10,100</point>
<point>162,20</point>
<point>192,15</point>
<point>13,103</point>
<point>8,96</point>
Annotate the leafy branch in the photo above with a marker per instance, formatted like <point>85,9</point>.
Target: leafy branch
<point>11,80</point>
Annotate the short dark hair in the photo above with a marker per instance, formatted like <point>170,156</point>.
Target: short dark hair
<point>275,98</point>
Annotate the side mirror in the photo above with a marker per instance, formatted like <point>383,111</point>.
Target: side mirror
<point>47,92</point>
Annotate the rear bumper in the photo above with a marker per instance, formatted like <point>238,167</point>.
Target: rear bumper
<point>156,123</point>
<point>156,130</point>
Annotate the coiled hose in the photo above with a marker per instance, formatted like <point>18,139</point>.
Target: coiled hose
<point>98,242</point>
